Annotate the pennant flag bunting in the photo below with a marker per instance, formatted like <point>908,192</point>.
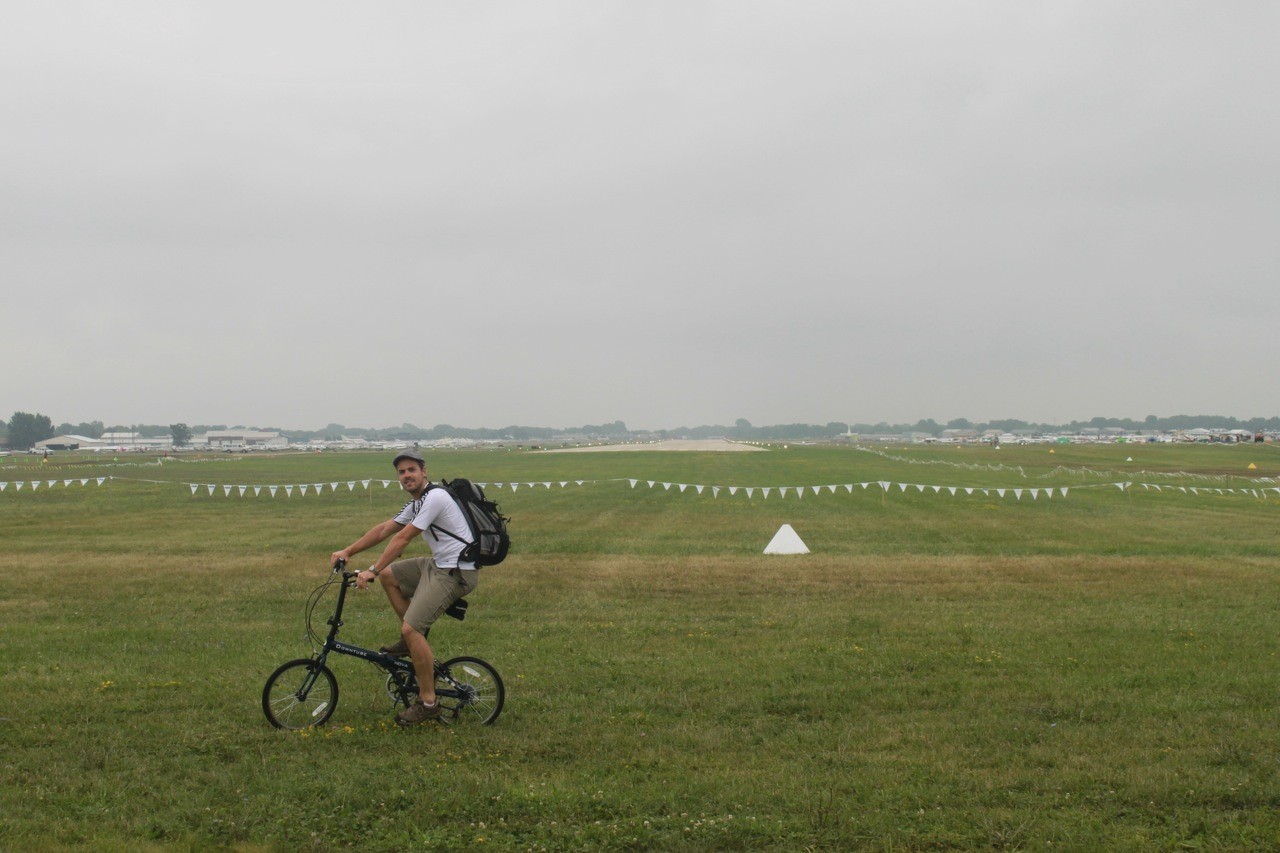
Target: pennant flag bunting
<point>1258,490</point>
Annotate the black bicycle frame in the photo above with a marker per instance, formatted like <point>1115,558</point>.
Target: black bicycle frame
<point>390,663</point>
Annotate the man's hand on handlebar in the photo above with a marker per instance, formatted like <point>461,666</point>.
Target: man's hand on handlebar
<point>364,577</point>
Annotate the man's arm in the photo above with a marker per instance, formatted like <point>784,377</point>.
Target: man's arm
<point>375,535</point>
<point>390,554</point>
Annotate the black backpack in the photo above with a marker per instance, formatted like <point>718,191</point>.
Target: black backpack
<point>489,538</point>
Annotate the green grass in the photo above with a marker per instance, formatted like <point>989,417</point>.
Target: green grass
<point>1090,672</point>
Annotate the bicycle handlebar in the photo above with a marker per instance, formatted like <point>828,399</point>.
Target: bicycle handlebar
<point>340,567</point>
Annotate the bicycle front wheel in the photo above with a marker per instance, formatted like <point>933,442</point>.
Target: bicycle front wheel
<point>469,690</point>
<point>300,694</point>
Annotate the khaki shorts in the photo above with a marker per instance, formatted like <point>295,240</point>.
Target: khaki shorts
<point>430,589</point>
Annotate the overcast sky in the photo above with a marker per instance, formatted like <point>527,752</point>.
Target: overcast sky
<point>666,213</point>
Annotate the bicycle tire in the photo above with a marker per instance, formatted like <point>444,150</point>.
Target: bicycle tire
<point>282,703</point>
<point>483,687</point>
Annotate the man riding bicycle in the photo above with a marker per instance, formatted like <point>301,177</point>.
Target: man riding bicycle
<point>420,588</point>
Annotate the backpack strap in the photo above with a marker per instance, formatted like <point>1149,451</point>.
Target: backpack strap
<point>433,527</point>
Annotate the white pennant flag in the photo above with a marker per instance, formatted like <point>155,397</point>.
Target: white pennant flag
<point>35,484</point>
<point>699,488</point>
<point>351,486</point>
<point>226,491</point>
<point>513,486</point>
<point>548,485</point>
<point>17,487</point>
<point>257,490</point>
<point>733,490</point>
<point>1000,492</point>
<point>242,490</point>
<point>272,489</point>
<point>849,487</point>
<point>193,488</point>
<point>782,491</point>
<point>66,482</point>
<point>1035,493</point>
<point>715,492</point>
<point>564,483</point>
<point>651,482</point>
<point>1063,491</point>
<point>633,483</point>
<point>666,487</point>
<point>936,489</point>
<point>386,484</point>
<point>335,486</point>
<point>902,487</point>
<point>211,488</point>
<point>303,488</point>
<point>3,486</point>
<point>1017,494</point>
<point>288,491</point>
<point>749,490</point>
<point>799,493</point>
<point>683,486</point>
<point>952,489</point>
<point>766,492</point>
<point>365,484</point>
<point>84,482</point>
<point>50,484</point>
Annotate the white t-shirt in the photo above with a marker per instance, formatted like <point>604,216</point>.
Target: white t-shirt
<point>439,508</point>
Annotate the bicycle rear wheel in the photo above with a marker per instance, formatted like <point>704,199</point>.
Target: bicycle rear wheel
<point>469,691</point>
<point>300,694</point>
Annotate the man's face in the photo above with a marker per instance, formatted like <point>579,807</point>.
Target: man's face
<point>412,477</point>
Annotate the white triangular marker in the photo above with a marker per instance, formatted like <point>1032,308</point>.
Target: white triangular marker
<point>786,541</point>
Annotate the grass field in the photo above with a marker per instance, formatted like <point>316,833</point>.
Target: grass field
<point>1088,671</point>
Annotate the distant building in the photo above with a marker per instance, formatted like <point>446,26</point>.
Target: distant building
<point>68,442</point>
<point>236,439</point>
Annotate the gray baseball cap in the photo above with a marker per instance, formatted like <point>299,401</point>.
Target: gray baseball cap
<point>409,454</point>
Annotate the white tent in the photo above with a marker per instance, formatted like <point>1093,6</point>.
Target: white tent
<point>786,541</point>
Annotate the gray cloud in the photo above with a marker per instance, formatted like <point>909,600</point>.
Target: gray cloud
<point>668,213</point>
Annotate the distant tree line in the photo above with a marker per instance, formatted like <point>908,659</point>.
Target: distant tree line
<point>24,429</point>
<point>743,430</point>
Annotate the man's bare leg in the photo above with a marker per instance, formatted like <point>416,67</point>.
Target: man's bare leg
<point>392,588</point>
<point>424,662</point>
